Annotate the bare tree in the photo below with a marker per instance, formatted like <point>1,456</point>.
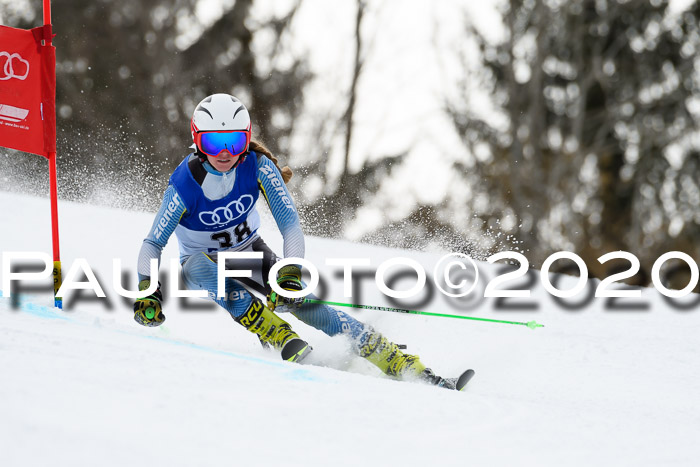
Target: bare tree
<point>595,93</point>
<point>345,193</point>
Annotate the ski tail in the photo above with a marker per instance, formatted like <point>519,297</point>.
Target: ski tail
<point>463,379</point>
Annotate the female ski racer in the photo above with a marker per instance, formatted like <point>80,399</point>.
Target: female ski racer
<point>210,205</point>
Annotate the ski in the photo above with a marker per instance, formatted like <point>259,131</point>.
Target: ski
<point>463,379</point>
<point>457,384</point>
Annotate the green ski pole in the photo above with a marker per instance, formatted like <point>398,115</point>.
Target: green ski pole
<point>529,324</point>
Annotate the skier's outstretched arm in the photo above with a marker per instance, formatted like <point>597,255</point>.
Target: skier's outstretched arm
<point>171,210</point>
<point>147,310</point>
<point>285,213</point>
<point>282,206</point>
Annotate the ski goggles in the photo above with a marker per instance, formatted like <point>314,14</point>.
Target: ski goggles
<point>212,143</point>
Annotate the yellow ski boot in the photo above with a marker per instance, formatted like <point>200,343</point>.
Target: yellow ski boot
<point>273,330</point>
<point>389,358</point>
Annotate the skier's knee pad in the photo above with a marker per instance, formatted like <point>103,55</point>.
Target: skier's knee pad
<point>329,320</point>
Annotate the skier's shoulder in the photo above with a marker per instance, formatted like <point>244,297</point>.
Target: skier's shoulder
<point>260,158</point>
<point>267,169</point>
<point>190,169</point>
<point>187,177</point>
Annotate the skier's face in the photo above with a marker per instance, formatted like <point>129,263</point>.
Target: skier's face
<point>224,162</point>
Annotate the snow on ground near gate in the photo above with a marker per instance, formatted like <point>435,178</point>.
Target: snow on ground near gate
<point>90,387</point>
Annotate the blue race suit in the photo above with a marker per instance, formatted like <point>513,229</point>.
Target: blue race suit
<point>210,212</point>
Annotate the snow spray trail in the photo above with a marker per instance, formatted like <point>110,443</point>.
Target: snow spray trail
<point>292,371</point>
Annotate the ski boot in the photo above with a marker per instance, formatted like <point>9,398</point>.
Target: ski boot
<point>273,330</point>
<point>388,357</point>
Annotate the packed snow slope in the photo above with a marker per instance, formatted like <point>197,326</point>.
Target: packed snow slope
<point>89,386</point>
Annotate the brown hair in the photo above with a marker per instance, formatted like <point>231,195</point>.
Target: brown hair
<point>260,148</point>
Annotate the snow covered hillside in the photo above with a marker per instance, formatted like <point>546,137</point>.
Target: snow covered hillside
<point>596,386</point>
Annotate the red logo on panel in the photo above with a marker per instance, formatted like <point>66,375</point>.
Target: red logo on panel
<point>27,91</point>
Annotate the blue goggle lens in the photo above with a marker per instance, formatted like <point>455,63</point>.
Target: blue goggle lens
<point>214,143</point>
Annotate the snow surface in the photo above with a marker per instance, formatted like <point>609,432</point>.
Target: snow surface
<point>91,387</point>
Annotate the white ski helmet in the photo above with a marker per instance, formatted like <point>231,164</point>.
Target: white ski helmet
<point>220,112</point>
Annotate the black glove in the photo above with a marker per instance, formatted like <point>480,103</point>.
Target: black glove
<point>288,278</point>
<point>147,310</point>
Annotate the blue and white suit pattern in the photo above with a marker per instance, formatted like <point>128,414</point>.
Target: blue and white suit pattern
<point>215,219</point>
<point>211,211</point>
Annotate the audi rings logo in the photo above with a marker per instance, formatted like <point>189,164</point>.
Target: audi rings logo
<point>228,213</point>
<point>14,67</point>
